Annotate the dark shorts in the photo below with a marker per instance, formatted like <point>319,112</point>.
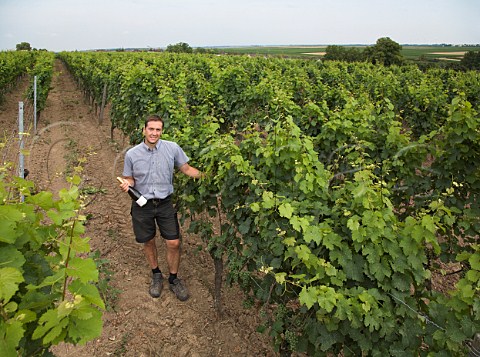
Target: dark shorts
<point>154,213</point>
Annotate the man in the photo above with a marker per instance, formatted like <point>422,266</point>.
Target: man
<point>149,168</point>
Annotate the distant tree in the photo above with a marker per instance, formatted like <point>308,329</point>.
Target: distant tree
<point>342,53</point>
<point>471,60</point>
<point>180,47</point>
<point>25,46</point>
<point>385,51</point>
<point>333,53</point>
<point>205,50</point>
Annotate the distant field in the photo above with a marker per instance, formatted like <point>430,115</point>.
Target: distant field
<point>411,52</point>
<point>437,51</point>
<point>273,50</point>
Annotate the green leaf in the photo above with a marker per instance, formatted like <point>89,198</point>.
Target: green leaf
<point>80,244</point>
<point>83,312</point>
<point>360,190</point>
<point>463,256</point>
<point>353,223</point>
<point>9,213</point>
<point>55,331</point>
<point>268,200</point>
<point>244,227</point>
<point>78,228</point>
<point>308,296</point>
<point>42,199</point>
<point>301,224</point>
<point>280,277</point>
<point>50,280</point>
<point>84,269</point>
<point>11,257</point>
<point>327,298</point>
<point>65,308</point>
<point>465,289</point>
<point>47,321</point>
<point>255,207</point>
<point>59,216</point>
<point>70,194</point>
<point>475,261</point>
<point>285,210</point>
<point>10,307</point>
<point>88,291</point>
<point>312,233</point>
<point>473,276</point>
<point>354,267</point>
<point>10,278</point>
<point>400,282</point>
<point>428,223</point>
<point>8,232</point>
<point>327,340</point>
<point>77,245</point>
<point>75,180</point>
<point>81,330</point>
<point>330,240</point>
<point>372,321</point>
<point>10,335</point>
<point>289,241</point>
<point>303,252</point>
<point>25,316</point>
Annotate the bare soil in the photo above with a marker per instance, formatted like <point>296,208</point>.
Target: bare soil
<point>68,134</point>
<point>458,53</point>
<point>315,53</point>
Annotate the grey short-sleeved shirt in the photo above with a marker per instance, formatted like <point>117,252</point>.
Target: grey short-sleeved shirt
<point>153,169</point>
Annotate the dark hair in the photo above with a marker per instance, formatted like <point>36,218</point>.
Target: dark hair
<point>154,117</point>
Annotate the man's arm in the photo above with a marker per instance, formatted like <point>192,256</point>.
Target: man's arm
<point>191,171</point>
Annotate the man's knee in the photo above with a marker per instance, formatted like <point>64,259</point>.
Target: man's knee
<point>173,243</point>
<point>150,244</point>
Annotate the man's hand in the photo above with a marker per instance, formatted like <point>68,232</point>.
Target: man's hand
<point>125,183</point>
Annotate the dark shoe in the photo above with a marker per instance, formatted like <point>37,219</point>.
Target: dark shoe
<point>179,289</point>
<point>157,285</point>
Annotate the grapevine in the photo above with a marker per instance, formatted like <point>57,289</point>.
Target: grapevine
<point>46,294</point>
<point>341,185</point>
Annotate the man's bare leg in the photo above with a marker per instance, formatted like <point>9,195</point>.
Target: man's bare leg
<point>150,249</point>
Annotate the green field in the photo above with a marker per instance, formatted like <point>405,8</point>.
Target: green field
<point>408,51</point>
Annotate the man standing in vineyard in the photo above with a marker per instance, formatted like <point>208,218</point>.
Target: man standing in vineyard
<point>149,167</point>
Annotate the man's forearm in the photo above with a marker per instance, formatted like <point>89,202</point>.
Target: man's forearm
<point>191,171</point>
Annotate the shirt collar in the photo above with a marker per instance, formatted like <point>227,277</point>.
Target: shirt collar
<point>157,145</point>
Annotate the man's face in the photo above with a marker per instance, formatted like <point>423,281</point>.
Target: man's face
<point>153,132</point>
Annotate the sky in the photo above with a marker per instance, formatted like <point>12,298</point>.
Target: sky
<point>69,25</point>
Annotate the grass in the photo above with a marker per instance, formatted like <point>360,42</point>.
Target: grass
<point>108,293</point>
<point>70,156</point>
<point>112,234</point>
<point>121,349</point>
<point>91,190</point>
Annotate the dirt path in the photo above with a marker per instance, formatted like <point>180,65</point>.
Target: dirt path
<point>135,324</point>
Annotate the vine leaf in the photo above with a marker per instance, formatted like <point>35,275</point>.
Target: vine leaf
<point>308,296</point>
<point>286,210</point>
<point>10,335</point>
<point>84,269</point>
<point>10,278</point>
